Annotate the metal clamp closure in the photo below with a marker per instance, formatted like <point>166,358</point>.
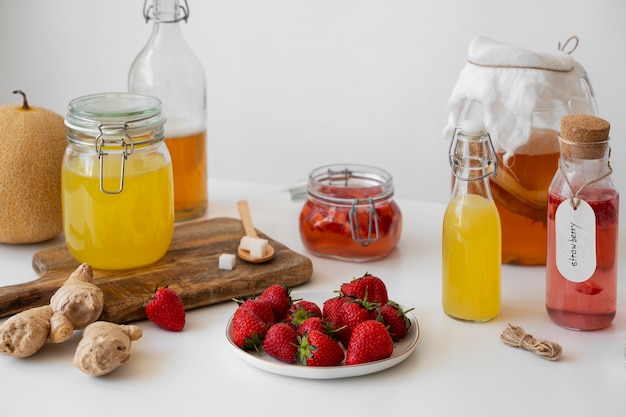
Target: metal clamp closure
<point>372,220</point>
<point>125,143</point>
<point>149,13</point>
<point>487,167</point>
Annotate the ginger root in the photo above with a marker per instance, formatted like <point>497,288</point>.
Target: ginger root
<point>104,347</point>
<point>23,334</point>
<point>76,304</point>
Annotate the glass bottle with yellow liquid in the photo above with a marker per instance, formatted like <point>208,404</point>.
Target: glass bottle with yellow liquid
<point>168,69</point>
<point>472,236</point>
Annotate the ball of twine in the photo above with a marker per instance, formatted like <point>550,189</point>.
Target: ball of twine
<point>515,336</point>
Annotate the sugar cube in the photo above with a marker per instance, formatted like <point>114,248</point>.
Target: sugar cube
<point>256,246</point>
<point>227,261</point>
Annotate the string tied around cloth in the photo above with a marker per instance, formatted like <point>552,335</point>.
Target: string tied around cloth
<point>515,336</point>
<point>573,39</point>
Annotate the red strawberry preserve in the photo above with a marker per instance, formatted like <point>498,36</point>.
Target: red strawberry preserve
<point>350,213</point>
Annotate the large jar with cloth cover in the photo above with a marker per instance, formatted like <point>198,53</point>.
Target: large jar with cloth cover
<point>521,94</point>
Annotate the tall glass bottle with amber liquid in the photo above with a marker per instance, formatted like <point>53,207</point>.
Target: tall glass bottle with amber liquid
<point>471,236</point>
<point>168,69</point>
<point>583,211</point>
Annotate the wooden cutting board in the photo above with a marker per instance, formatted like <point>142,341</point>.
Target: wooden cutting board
<point>190,267</point>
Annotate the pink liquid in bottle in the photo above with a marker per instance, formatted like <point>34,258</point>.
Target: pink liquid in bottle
<point>591,304</point>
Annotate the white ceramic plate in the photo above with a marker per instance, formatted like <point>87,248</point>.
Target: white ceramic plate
<point>401,351</point>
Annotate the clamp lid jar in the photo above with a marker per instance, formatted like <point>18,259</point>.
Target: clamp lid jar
<point>350,213</point>
<point>117,187</point>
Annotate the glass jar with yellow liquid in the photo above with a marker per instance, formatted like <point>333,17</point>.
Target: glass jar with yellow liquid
<point>471,236</point>
<point>117,186</point>
<point>168,69</point>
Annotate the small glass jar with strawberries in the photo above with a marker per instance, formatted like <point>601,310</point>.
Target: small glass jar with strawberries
<point>350,213</point>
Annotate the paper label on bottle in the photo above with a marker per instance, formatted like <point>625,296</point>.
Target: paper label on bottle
<point>575,240</point>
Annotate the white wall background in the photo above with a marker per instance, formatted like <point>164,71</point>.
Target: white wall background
<point>294,84</point>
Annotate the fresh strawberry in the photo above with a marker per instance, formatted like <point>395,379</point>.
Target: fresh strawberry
<point>370,342</point>
<point>352,314</point>
<point>280,299</point>
<point>281,342</point>
<point>319,349</point>
<point>331,310</point>
<point>302,310</point>
<point>392,316</point>
<point>166,309</point>
<point>588,287</point>
<point>248,329</point>
<point>310,324</point>
<point>368,286</point>
<point>261,308</point>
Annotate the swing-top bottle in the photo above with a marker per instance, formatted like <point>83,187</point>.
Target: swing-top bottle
<point>472,236</point>
<point>168,69</point>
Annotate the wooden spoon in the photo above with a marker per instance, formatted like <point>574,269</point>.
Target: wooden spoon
<point>248,228</point>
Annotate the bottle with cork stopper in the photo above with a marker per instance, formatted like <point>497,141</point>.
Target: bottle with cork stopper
<point>583,210</point>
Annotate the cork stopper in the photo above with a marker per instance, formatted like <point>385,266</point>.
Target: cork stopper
<point>584,136</point>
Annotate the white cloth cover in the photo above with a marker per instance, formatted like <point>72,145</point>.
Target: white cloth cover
<point>507,83</point>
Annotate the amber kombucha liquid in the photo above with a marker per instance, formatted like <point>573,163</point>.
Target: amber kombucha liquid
<point>189,165</point>
<point>520,191</point>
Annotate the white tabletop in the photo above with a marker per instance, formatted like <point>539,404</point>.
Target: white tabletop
<point>457,368</point>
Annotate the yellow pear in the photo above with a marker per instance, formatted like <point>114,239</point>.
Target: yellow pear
<point>32,144</point>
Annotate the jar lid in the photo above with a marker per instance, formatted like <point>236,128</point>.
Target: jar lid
<point>343,183</point>
<point>88,114</point>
